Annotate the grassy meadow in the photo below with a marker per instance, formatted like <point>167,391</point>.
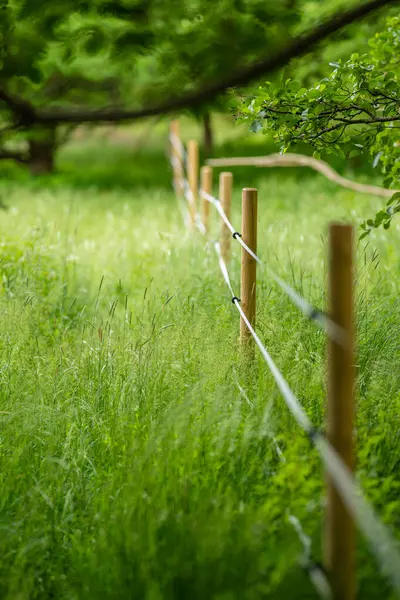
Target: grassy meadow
<point>138,454</point>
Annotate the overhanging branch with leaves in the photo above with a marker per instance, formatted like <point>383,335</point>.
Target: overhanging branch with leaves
<point>304,43</point>
<point>356,109</point>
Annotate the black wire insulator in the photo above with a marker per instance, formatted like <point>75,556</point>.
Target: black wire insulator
<point>313,434</point>
<point>314,314</point>
<point>236,234</point>
<point>235,299</point>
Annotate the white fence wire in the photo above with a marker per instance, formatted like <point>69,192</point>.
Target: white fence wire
<point>380,539</point>
<point>189,197</point>
<point>315,572</point>
<point>332,329</point>
<point>179,147</point>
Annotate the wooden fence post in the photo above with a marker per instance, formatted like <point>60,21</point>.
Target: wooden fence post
<point>206,185</point>
<point>248,271</point>
<point>340,534</point>
<point>225,197</point>
<point>193,177</point>
<point>177,156</point>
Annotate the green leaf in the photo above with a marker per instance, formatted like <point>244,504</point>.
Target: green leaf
<point>393,198</point>
<point>95,42</point>
<point>52,21</point>
<point>68,54</point>
<point>380,217</point>
<point>34,74</point>
<point>256,126</point>
<point>387,182</point>
<point>376,159</point>
<point>133,40</point>
<point>136,12</point>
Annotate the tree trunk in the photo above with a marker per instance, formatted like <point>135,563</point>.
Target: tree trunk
<point>42,154</point>
<point>208,135</point>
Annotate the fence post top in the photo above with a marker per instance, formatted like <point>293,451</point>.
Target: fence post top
<point>250,190</point>
<point>340,225</point>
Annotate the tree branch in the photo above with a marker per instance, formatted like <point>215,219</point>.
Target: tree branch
<point>9,127</point>
<point>20,108</point>
<point>17,156</point>
<point>298,47</point>
<point>299,160</point>
<point>319,133</point>
<point>375,119</point>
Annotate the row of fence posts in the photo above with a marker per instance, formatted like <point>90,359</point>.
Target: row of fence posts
<point>338,533</point>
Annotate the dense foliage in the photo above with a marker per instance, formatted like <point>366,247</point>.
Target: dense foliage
<point>64,52</point>
<point>354,109</point>
<point>112,54</point>
<point>61,58</point>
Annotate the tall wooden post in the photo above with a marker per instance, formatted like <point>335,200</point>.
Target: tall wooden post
<point>193,177</point>
<point>249,265</point>
<point>225,197</point>
<point>206,185</point>
<point>340,534</point>
<point>177,156</point>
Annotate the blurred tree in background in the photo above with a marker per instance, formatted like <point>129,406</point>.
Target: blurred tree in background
<point>70,62</point>
<point>67,52</point>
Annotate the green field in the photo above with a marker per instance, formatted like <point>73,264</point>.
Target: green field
<point>137,450</point>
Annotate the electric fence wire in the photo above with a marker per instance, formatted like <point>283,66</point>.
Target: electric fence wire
<point>179,148</point>
<point>192,205</point>
<point>333,330</point>
<point>378,536</point>
<point>189,196</point>
<point>316,574</point>
<point>314,570</point>
<point>177,186</point>
<point>179,162</point>
<point>317,578</point>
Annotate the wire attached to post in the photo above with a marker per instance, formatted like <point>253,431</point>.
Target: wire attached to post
<point>377,534</point>
<point>312,313</point>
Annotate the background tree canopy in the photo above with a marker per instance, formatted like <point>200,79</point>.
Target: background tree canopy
<point>73,62</point>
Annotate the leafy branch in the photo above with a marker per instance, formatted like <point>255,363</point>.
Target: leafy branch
<point>383,217</point>
<point>19,157</point>
<point>354,110</point>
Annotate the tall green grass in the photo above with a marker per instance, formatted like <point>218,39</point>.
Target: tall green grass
<point>137,452</point>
